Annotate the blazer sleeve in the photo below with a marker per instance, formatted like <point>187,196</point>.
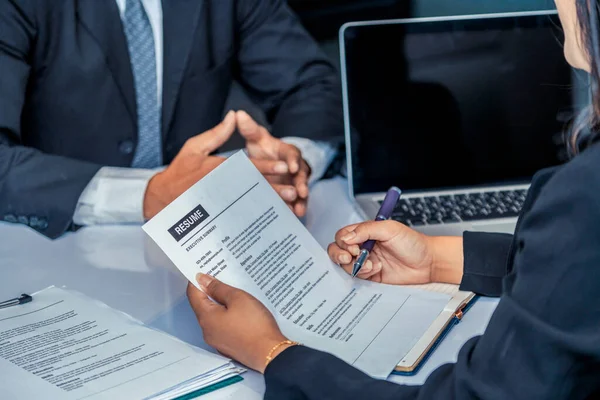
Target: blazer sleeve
<point>36,189</point>
<point>285,72</point>
<point>486,262</point>
<point>542,341</point>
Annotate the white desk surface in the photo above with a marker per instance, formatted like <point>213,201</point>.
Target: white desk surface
<point>120,266</point>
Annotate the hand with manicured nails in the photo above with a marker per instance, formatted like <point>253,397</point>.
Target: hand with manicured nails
<point>281,163</point>
<point>238,325</point>
<point>401,256</point>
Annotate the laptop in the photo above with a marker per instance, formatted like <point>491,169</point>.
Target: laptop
<point>459,112</point>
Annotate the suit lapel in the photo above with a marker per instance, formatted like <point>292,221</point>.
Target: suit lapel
<point>102,20</point>
<point>180,20</point>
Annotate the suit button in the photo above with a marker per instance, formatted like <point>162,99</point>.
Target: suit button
<point>34,222</point>
<point>38,223</point>
<point>43,224</point>
<point>23,220</point>
<point>10,218</point>
<point>126,147</point>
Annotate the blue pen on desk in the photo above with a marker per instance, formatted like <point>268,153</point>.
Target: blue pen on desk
<point>385,212</point>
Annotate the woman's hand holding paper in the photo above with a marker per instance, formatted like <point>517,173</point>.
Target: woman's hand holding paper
<point>238,326</point>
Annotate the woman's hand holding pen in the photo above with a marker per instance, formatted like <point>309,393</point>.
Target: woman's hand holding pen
<point>401,256</point>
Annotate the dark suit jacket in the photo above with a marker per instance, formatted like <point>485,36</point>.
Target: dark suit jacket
<point>543,341</point>
<point>67,101</point>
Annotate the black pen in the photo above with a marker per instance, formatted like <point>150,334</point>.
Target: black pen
<point>25,298</point>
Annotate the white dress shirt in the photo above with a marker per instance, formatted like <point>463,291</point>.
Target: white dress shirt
<point>116,195</point>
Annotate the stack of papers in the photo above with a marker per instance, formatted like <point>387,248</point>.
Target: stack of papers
<point>64,345</point>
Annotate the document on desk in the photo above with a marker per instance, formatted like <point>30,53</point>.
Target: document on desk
<point>234,226</point>
<point>64,345</point>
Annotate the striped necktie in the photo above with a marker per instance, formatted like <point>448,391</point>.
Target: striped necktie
<point>140,41</point>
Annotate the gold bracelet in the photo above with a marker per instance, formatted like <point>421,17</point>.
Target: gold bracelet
<point>278,345</point>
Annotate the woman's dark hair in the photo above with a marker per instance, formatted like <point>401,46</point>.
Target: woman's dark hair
<point>586,127</point>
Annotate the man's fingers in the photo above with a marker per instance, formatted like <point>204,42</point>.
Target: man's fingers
<point>270,167</point>
<point>286,192</point>
<point>217,290</point>
<point>292,156</point>
<point>370,230</point>
<point>300,208</point>
<point>301,182</point>
<point>249,128</point>
<point>214,138</point>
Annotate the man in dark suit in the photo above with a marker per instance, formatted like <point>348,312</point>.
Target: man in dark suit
<point>97,96</point>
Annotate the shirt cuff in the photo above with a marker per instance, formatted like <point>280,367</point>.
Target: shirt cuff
<point>486,262</point>
<point>318,155</point>
<point>114,196</point>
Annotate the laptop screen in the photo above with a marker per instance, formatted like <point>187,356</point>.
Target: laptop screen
<point>456,103</point>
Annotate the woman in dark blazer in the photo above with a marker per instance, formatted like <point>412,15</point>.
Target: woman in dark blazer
<point>543,341</point>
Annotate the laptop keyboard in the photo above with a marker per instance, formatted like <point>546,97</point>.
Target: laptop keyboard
<point>433,210</point>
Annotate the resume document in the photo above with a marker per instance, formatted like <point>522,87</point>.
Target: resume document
<point>234,226</point>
